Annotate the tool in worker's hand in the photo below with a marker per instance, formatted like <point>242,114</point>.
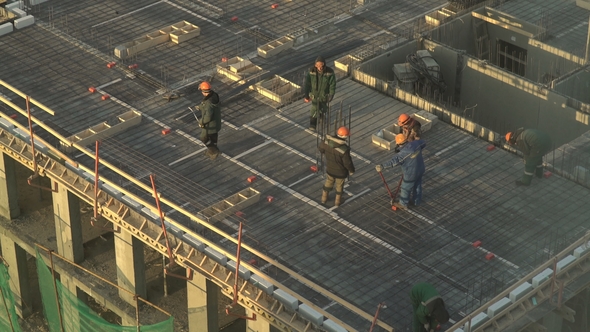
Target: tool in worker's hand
<point>178,118</point>
<point>393,207</point>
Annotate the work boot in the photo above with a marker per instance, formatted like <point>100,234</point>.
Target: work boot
<point>521,183</point>
<point>400,206</point>
<point>324,196</point>
<point>539,172</point>
<point>212,152</point>
<point>313,123</point>
<point>337,200</point>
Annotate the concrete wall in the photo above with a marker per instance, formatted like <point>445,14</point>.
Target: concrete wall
<point>457,34</point>
<point>576,86</point>
<point>381,67</point>
<point>447,60</point>
<point>544,59</point>
<point>517,102</point>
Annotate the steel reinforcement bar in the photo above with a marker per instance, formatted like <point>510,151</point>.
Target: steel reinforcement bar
<point>53,165</point>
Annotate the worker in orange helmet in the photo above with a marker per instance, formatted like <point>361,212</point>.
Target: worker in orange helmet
<point>410,127</point>
<point>210,121</point>
<point>412,163</point>
<point>339,164</point>
<point>533,144</point>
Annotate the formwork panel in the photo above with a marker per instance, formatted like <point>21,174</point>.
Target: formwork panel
<point>230,205</point>
<point>278,89</point>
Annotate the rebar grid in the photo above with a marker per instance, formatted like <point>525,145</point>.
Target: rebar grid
<point>356,264</point>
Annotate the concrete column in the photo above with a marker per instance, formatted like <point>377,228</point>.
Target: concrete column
<point>69,307</point>
<point>68,225</point>
<point>16,258</point>
<point>588,43</point>
<point>258,325</point>
<point>8,193</point>
<point>202,298</point>
<point>130,266</point>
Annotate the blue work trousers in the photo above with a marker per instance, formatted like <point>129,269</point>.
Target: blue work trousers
<point>411,190</point>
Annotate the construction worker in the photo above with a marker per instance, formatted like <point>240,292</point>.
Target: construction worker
<point>409,126</point>
<point>210,121</point>
<point>320,86</point>
<point>412,162</point>
<point>533,144</point>
<point>339,163</point>
<point>429,308</point>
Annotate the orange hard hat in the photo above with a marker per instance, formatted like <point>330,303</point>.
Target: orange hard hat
<point>343,132</point>
<point>205,86</point>
<point>508,136</point>
<point>403,119</point>
<point>400,139</point>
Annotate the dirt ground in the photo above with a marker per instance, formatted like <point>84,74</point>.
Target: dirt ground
<point>36,208</point>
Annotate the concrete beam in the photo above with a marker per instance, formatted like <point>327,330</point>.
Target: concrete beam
<point>68,224</point>
<point>553,322</point>
<point>130,266</point>
<point>258,325</point>
<point>9,208</point>
<point>16,258</point>
<point>202,298</point>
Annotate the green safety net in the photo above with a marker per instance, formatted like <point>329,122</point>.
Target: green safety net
<point>76,315</point>
<point>8,318</point>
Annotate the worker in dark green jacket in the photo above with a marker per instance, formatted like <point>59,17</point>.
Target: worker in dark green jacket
<point>210,121</point>
<point>533,144</point>
<point>429,308</point>
<point>319,88</point>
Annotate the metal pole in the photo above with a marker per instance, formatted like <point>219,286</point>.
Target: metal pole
<point>376,315</point>
<point>170,255</point>
<point>349,121</point>
<point>6,307</point>
<point>237,264</point>
<point>136,298</point>
<point>61,323</point>
<point>96,163</point>
<point>32,136</point>
<point>165,281</point>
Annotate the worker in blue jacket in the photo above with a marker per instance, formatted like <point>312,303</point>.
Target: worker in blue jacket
<point>412,162</point>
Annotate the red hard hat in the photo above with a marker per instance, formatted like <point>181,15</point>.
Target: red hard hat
<point>508,136</point>
<point>403,119</point>
<point>343,132</point>
<point>205,86</point>
<point>400,139</point>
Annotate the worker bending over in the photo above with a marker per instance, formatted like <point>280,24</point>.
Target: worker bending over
<point>429,308</point>
<point>533,144</point>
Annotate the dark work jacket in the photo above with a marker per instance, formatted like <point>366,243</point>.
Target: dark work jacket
<point>532,142</point>
<point>411,160</point>
<point>339,163</point>
<point>320,86</point>
<point>423,296</point>
<point>412,130</point>
<point>210,113</point>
